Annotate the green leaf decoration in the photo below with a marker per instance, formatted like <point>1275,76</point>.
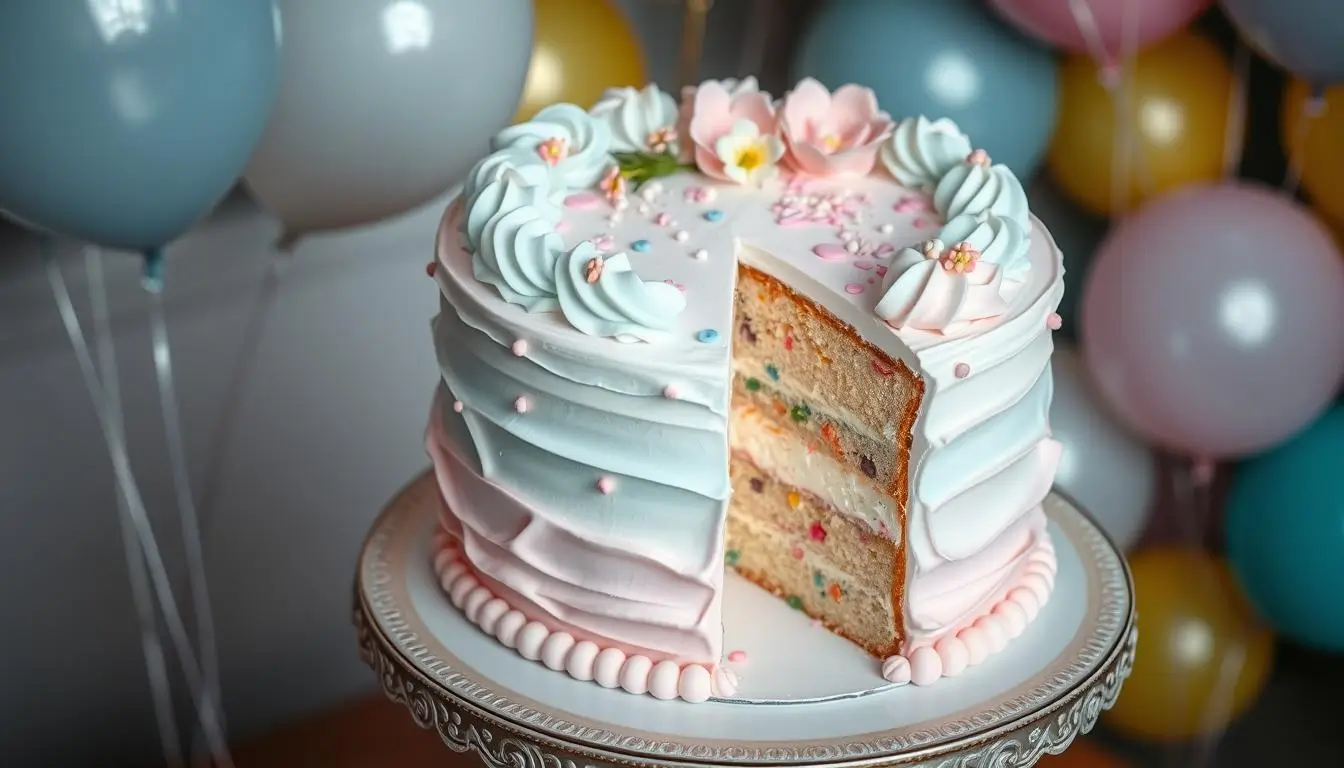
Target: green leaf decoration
<point>640,167</point>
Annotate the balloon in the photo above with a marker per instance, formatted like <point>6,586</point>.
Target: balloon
<point>1177,97</point>
<point>944,59</point>
<point>1109,473</point>
<point>125,123</point>
<point>1120,27</point>
<point>1213,320</point>
<point>1316,142</point>
<point>1077,233</point>
<point>582,48</point>
<point>1285,534</point>
<point>1202,659</point>
<point>1302,36</point>
<point>385,104</point>
<point>1082,753</point>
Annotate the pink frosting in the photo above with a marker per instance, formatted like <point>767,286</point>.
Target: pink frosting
<point>832,134</point>
<point>921,292</point>
<point>989,632</point>
<point>600,591</point>
<point>714,111</point>
<point>585,660</point>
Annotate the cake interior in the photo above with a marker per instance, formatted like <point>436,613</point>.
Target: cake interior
<point>820,434</point>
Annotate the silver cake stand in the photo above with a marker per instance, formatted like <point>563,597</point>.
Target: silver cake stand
<point>1032,699</point>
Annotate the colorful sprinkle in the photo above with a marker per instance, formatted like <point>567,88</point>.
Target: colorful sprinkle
<point>644,209</point>
<point>605,485</point>
<point>671,392</point>
<point>797,552</point>
<point>885,229</point>
<point>881,369</point>
<point>714,215</point>
<point>864,265</point>
<point>431,268</point>
<point>681,236</point>
<point>663,219</point>
<point>799,413</point>
<point>772,371</point>
<point>700,194</point>
<point>701,255</point>
<point>830,251</point>
<point>961,371</point>
<point>788,342</point>
<point>753,384</point>
<point>794,499</point>
<point>521,404</point>
<point>603,242</point>
<point>582,201</point>
<point>853,288</point>
<point>746,331</point>
<point>835,592</point>
<point>519,348</point>
<point>819,578</point>
<point>795,602</point>
<point>707,336</point>
<point>1054,322</point>
<point>732,556</point>
<point>757,484</point>
<point>737,656</point>
<point>457,406</point>
<point>641,246</point>
<point>921,223</point>
<point>869,468</point>
<point>816,532</point>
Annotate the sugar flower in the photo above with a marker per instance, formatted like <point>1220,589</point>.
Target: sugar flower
<point>747,120</point>
<point>829,134</point>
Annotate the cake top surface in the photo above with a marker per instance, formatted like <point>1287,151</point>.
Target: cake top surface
<point>624,224</point>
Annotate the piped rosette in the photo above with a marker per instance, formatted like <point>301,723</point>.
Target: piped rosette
<point>939,288</point>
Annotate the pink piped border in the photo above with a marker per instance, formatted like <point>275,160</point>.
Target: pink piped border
<point>987,635</point>
<point>559,651</point>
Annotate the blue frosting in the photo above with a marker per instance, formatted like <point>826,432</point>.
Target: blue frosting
<point>975,189</point>
<point>587,139</point>
<point>517,255</point>
<point>999,239</point>
<point>615,302</point>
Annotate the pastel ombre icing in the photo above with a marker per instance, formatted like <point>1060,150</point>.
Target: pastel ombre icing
<point>793,338</point>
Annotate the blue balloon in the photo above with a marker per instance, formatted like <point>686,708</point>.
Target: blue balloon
<point>949,58</point>
<point>1302,36</point>
<point>1285,533</point>
<point>124,123</point>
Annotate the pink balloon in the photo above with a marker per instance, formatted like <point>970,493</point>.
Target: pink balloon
<point>1067,23</point>
<point>1213,319</point>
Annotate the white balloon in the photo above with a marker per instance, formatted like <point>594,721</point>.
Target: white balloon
<point>385,104</point>
<point>1108,471</point>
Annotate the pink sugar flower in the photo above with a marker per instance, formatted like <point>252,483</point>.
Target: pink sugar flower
<point>613,185</point>
<point>553,150</point>
<point>723,123</point>
<point>832,134</point>
<point>961,257</point>
<point>592,271</point>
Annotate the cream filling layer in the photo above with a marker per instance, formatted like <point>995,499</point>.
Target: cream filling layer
<point>816,473</point>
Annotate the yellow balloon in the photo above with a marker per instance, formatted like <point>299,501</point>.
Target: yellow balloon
<point>1202,657</point>
<point>580,49</point>
<point>1176,99</point>
<point>1317,143</point>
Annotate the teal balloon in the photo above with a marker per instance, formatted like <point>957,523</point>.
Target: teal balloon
<point>1285,534</point>
<point>949,58</point>
<point>123,123</point>
<point>1302,36</point>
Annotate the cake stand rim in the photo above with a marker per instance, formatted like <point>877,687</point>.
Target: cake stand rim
<point>465,726</point>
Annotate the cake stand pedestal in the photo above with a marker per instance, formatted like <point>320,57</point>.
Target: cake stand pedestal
<point>1047,687</point>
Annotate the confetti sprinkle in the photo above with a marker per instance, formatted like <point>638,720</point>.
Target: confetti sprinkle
<point>662,219</point>
<point>714,215</point>
<point>772,371</point>
<point>737,656</point>
<point>707,336</point>
<point>794,499</point>
<point>1054,322</point>
<point>681,236</point>
<point>671,392</point>
<point>886,229</point>
<point>519,348</point>
<point>757,484</point>
<point>701,255</point>
<point>816,532</point>
<point>641,246</point>
<point>431,268</point>
<point>853,288</point>
<point>457,406</point>
<point>961,371</point>
<point>752,384</point>
<point>603,242</point>
<point>521,404</point>
<point>606,485</point>
<point>795,602</point>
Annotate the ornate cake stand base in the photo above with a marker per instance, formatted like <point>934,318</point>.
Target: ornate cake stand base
<point>1047,687</point>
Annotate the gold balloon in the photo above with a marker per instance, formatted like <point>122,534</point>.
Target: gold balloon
<point>1316,143</point>
<point>1202,657</point>
<point>1177,95</point>
<point>580,49</point>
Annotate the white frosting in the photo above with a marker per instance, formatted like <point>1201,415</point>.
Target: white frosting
<point>920,293</point>
<point>920,151</point>
<point>974,189</point>
<point>633,114</point>
<point>587,142</point>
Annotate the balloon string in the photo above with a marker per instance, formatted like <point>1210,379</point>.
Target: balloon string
<point>109,413</point>
<point>1313,108</point>
<point>1235,132</point>
<point>115,439</point>
<point>186,509</point>
<point>249,355</point>
<point>692,40</point>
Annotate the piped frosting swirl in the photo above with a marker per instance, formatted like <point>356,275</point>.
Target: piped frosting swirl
<point>528,165</point>
<point>510,191</point>
<point>602,296</point>
<point>1000,240</point>
<point>921,151</point>
<point>633,115</point>
<point>935,288</point>
<point>566,136</point>
<point>976,186</point>
<point>518,252</point>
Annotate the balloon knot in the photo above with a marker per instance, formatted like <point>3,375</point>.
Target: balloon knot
<point>1201,470</point>
<point>152,278</point>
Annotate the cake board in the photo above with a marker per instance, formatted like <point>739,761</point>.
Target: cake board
<point>1031,699</point>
